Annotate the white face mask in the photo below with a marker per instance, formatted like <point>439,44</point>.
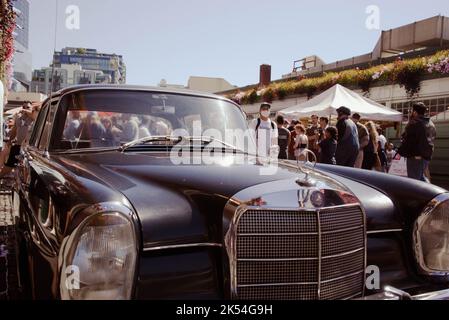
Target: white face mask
<point>265,113</point>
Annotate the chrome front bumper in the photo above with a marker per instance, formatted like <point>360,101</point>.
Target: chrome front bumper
<point>391,293</point>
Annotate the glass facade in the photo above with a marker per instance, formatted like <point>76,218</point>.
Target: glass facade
<point>22,9</point>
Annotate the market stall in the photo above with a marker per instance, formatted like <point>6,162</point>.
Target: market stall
<point>327,103</point>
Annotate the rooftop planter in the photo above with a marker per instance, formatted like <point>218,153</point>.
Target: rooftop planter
<point>405,73</point>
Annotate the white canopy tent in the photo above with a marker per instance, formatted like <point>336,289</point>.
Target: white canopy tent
<point>327,103</point>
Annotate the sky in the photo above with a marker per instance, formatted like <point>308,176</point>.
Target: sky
<point>175,39</point>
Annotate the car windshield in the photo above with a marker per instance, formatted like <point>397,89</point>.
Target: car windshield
<point>112,118</point>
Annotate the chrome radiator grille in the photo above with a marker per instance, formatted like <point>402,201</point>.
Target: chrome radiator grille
<point>300,255</point>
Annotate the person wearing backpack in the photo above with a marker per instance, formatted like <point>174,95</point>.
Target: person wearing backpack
<point>418,143</point>
<point>284,138</point>
<point>265,131</point>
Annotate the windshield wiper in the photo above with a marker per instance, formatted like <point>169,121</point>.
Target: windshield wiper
<point>208,140</point>
<point>205,140</point>
<point>145,140</point>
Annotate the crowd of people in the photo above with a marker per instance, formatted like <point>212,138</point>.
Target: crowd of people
<point>99,130</point>
<point>107,130</point>
<point>352,142</point>
<point>16,132</point>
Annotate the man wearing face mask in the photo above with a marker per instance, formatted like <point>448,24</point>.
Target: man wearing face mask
<point>265,131</point>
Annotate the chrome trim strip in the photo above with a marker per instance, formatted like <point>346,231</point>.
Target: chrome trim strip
<point>344,230</point>
<point>397,292</point>
<point>52,124</point>
<point>277,259</point>
<point>231,248</point>
<point>297,283</point>
<point>299,233</point>
<point>156,90</point>
<point>277,234</point>
<point>344,277</point>
<point>180,246</point>
<point>107,207</point>
<point>358,294</point>
<point>388,295</point>
<point>320,252</point>
<point>302,259</point>
<point>299,209</point>
<point>435,295</point>
<point>276,284</point>
<point>418,251</point>
<point>345,253</point>
<point>365,248</point>
<point>384,231</point>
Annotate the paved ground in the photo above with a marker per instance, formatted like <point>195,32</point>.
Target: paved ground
<point>8,279</point>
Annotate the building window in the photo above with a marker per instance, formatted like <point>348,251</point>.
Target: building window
<point>438,108</point>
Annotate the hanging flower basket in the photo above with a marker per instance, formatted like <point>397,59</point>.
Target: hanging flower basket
<point>409,75</point>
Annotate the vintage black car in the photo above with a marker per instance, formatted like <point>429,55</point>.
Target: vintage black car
<point>112,202</point>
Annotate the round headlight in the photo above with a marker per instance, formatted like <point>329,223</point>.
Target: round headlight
<point>431,237</point>
<point>100,259</point>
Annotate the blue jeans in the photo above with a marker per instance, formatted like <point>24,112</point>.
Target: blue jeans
<point>416,168</point>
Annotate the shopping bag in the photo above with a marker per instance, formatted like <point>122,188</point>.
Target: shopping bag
<point>398,166</point>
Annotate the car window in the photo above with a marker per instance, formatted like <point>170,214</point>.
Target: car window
<point>38,125</point>
<point>43,142</point>
<point>109,118</point>
<point>93,129</point>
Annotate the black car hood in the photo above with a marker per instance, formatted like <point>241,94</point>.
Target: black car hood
<point>128,171</point>
<point>184,203</point>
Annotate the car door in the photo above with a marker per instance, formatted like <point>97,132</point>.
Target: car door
<point>36,206</point>
<point>23,225</point>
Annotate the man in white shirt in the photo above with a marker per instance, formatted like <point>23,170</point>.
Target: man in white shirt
<point>265,132</point>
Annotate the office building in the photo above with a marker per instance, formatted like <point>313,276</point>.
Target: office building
<point>91,59</point>
<point>22,58</point>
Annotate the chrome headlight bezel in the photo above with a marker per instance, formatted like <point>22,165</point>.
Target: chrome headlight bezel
<point>70,243</point>
<point>418,248</point>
